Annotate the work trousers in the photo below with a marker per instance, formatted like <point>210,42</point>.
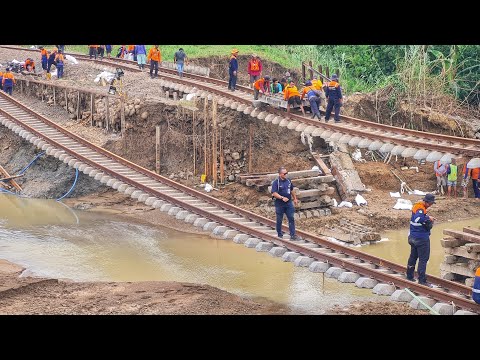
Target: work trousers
<point>232,81</point>
<point>153,64</point>
<point>419,249</point>
<point>93,52</point>
<point>330,106</point>
<point>476,190</point>
<point>288,209</point>
<point>8,89</point>
<point>314,105</point>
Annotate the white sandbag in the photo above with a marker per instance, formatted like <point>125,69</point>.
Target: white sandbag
<point>473,163</point>
<point>53,73</point>
<point>360,200</point>
<point>106,75</point>
<point>71,59</point>
<point>335,203</point>
<point>316,168</point>
<point>191,97</point>
<point>403,204</point>
<point>395,194</point>
<point>208,187</point>
<point>357,155</point>
<point>418,192</point>
<point>345,204</point>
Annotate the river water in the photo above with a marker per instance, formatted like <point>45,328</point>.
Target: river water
<point>51,240</point>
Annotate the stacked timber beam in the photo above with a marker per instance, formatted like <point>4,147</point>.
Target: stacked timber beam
<point>462,255</point>
<point>312,189</point>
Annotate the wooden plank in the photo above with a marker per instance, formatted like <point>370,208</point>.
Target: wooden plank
<point>462,236</point>
<point>461,269</point>
<point>472,248</point>
<point>11,177</point>
<point>78,105</point>
<point>92,108</point>
<point>463,252</point>
<point>301,194</point>
<point>11,182</point>
<point>470,230</point>
<point>107,114</point>
<point>300,182</point>
<point>321,164</point>
<point>122,117</point>
<point>157,149</point>
<point>451,242</point>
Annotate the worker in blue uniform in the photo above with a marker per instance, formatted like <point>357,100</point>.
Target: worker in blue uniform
<point>333,93</point>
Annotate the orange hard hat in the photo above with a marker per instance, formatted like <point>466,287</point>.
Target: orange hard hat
<point>234,51</point>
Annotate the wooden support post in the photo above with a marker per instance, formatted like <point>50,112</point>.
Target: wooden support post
<point>122,117</point>
<point>320,70</point>
<point>78,105</point>
<point>205,127</point>
<point>303,71</point>
<point>222,167</point>
<point>21,86</point>
<point>157,149</point>
<point>194,146</point>
<point>5,174</point>
<point>54,96</point>
<point>338,73</point>
<point>92,108</point>
<point>250,149</point>
<point>327,70</point>
<point>214,142</point>
<point>107,114</point>
<point>66,100</point>
<point>310,71</point>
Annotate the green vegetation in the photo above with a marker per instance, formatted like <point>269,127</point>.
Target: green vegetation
<point>410,70</point>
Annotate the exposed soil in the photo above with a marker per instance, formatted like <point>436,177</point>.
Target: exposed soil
<point>54,296</point>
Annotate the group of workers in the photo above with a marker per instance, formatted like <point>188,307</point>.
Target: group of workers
<point>447,175</point>
<point>54,57</point>
<point>312,89</point>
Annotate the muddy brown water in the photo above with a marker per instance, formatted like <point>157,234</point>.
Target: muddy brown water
<point>394,245</point>
<point>51,240</point>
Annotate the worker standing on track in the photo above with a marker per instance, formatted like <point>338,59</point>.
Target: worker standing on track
<point>261,85</point>
<point>333,93</point>
<point>232,70</point>
<point>93,51</point>
<point>282,191</point>
<point>108,49</point>
<point>292,96</point>
<point>122,50</point>
<point>476,287</point>
<point>155,58</point>
<point>254,69</point>
<point>60,61</point>
<point>8,81</point>
<point>179,58</point>
<point>419,239</point>
<point>100,50</point>
<point>141,52</point>
<point>44,55</point>
<point>1,78</point>
<point>313,96</point>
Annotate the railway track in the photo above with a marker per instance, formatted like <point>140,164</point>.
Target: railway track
<point>351,131</point>
<point>200,209</point>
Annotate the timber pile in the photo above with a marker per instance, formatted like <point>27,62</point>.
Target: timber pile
<point>312,189</point>
<point>462,255</point>
<point>350,232</point>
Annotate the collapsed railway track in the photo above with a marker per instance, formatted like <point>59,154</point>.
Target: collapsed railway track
<point>201,209</point>
<point>352,131</point>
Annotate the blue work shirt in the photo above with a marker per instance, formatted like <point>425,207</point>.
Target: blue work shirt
<point>283,188</point>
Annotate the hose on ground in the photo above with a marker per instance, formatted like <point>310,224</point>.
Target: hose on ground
<point>73,186</point>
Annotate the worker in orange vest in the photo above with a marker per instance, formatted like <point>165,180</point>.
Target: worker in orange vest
<point>476,287</point>
<point>261,85</point>
<point>93,51</point>
<point>44,55</point>
<point>254,69</point>
<point>333,93</point>
<point>30,65</point>
<point>475,182</point>
<point>292,96</point>
<point>8,81</point>
<point>59,60</point>
<point>155,58</point>
<point>1,79</point>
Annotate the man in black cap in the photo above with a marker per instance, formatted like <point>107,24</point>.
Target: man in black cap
<point>333,93</point>
<point>419,239</point>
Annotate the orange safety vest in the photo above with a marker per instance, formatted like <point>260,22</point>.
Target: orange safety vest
<point>254,66</point>
<point>154,54</point>
<point>8,76</point>
<point>93,46</point>
<point>59,57</point>
<point>290,91</point>
<point>43,53</point>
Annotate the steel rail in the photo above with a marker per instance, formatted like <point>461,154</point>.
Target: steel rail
<point>345,263</point>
